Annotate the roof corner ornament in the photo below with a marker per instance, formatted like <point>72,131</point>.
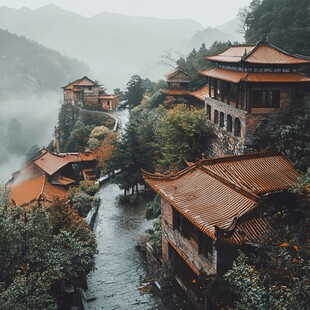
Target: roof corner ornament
<point>245,52</point>
<point>263,40</point>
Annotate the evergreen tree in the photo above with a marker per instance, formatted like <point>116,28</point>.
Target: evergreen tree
<point>135,91</point>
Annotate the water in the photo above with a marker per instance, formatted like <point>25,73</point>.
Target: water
<point>120,267</point>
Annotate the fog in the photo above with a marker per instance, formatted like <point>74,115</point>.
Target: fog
<point>37,117</point>
<point>115,46</point>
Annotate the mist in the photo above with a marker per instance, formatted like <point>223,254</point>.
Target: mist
<point>37,116</point>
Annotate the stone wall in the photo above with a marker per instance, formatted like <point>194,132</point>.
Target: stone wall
<point>227,143</point>
<point>188,247</point>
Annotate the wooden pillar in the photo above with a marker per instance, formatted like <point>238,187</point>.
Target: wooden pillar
<point>229,91</point>
<point>209,80</point>
<point>248,98</point>
<point>237,95</point>
<point>221,91</point>
<point>215,88</point>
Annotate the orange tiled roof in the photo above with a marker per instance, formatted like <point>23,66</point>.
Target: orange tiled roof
<point>50,162</point>
<point>232,53</point>
<point>201,93</point>
<point>202,199</point>
<point>259,173</point>
<point>214,194</point>
<point>78,82</point>
<point>259,54</point>
<point>250,231</point>
<point>176,92</point>
<point>111,97</point>
<point>277,77</point>
<point>225,75</point>
<point>30,191</point>
<point>176,72</point>
<point>237,76</point>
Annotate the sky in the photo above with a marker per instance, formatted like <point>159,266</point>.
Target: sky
<point>207,12</point>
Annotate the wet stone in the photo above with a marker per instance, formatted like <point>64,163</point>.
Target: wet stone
<point>120,267</point>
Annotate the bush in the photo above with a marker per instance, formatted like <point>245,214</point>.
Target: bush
<point>83,203</point>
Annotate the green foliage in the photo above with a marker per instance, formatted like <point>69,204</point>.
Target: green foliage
<point>67,118</point>
<point>183,135</point>
<point>96,136</point>
<point>83,203</point>
<point>156,235</point>
<point>40,251</point>
<point>78,139</point>
<point>158,139</point>
<point>285,22</point>
<point>75,126</point>
<point>129,156</point>
<point>119,92</point>
<point>153,208</point>
<point>289,134</point>
<point>89,187</point>
<point>135,91</point>
<point>277,276</point>
<point>303,186</point>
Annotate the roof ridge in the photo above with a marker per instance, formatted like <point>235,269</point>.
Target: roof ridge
<point>243,191</point>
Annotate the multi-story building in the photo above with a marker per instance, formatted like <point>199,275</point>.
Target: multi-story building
<point>215,207</point>
<point>88,92</point>
<point>248,86</point>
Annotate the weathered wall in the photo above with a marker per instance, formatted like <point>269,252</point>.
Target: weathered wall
<point>187,246</point>
<point>227,143</point>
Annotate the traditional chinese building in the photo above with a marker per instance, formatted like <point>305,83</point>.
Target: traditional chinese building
<point>178,91</point>
<point>85,91</point>
<point>248,86</point>
<point>215,207</point>
<point>49,176</point>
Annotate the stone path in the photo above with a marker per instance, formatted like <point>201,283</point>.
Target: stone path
<point>120,268</point>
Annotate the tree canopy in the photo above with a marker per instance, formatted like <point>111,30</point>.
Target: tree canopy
<point>286,22</point>
<point>41,251</point>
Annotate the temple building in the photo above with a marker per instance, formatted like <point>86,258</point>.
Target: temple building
<point>250,85</point>
<point>84,91</point>
<point>49,176</point>
<point>178,91</point>
<point>215,207</point>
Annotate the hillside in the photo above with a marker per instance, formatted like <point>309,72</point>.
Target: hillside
<point>26,67</point>
<point>285,22</point>
<point>115,46</point>
<point>207,36</point>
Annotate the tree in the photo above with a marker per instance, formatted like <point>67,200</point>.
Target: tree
<point>284,22</point>
<point>182,135</point>
<point>128,157</point>
<point>41,250</point>
<point>67,118</point>
<point>32,152</point>
<point>135,91</point>
<point>97,135</point>
<point>288,133</point>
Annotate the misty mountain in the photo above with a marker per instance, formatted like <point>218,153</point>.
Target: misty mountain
<point>225,32</point>
<point>27,67</point>
<point>232,28</point>
<point>114,45</point>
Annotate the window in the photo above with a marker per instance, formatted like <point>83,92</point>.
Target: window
<point>216,116</point>
<point>229,123</point>
<point>180,223</point>
<point>237,127</point>
<point>266,98</point>
<point>208,111</point>
<point>221,119</point>
<point>205,246</point>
